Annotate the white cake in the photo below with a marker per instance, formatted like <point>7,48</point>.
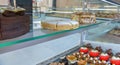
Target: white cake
<point>59,24</point>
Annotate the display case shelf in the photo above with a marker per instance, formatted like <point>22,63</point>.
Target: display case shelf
<point>41,35</point>
<point>106,19</point>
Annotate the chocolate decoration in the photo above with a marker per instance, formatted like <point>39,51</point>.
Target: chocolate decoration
<point>109,52</point>
<point>8,13</point>
<point>89,46</point>
<point>20,13</point>
<point>99,48</point>
<point>118,54</point>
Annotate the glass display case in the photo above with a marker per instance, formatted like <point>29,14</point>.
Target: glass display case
<point>97,36</point>
<point>41,47</point>
<point>34,49</point>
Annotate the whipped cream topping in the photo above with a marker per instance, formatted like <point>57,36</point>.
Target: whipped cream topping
<point>94,61</point>
<point>115,58</point>
<point>79,56</point>
<point>88,55</point>
<point>91,58</point>
<point>84,55</point>
<point>74,22</point>
<point>77,53</point>
<point>72,62</point>
<point>96,58</point>
<point>64,23</point>
<point>104,61</point>
<point>62,57</point>
<point>52,22</point>
<point>104,54</point>
<point>68,55</point>
<point>94,50</point>
<point>74,53</point>
<point>81,52</point>
<point>83,48</point>
<point>99,61</point>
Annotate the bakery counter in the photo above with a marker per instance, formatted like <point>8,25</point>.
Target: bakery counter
<point>11,27</point>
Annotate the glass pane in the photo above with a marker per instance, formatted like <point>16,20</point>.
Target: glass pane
<point>107,33</point>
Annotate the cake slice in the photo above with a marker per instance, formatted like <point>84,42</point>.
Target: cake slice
<point>11,11</point>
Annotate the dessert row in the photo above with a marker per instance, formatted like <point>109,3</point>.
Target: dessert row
<point>102,15</point>
<point>87,55</point>
<point>77,19</point>
<point>84,17</point>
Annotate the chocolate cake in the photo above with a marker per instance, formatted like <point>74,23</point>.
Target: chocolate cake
<point>11,11</point>
<point>13,23</point>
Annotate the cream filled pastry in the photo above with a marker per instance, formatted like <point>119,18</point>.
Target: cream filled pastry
<point>60,24</point>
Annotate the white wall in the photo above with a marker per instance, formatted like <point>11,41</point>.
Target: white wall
<point>4,2</point>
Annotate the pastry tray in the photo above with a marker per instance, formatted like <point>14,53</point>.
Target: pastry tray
<point>75,49</point>
<point>57,58</point>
